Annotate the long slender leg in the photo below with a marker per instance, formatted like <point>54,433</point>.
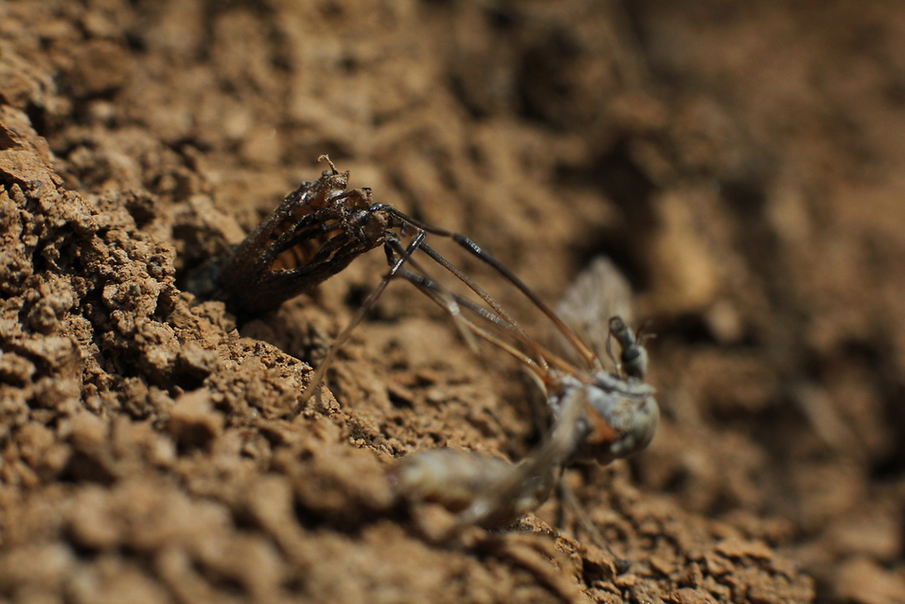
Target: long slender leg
<point>570,499</point>
<point>453,302</point>
<point>341,339</point>
<point>521,486</point>
<point>429,287</point>
<point>542,359</point>
<point>498,317</point>
<point>449,302</point>
<point>436,257</point>
<point>475,250</point>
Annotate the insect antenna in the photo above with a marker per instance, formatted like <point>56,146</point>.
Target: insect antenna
<point>633,355</point>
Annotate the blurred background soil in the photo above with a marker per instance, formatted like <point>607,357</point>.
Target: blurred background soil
<point>740,162</point>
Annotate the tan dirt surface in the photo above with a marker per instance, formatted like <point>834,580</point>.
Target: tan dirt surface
<point>740,162</point>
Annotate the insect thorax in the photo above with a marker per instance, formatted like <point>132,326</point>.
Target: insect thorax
<point>620,419</point>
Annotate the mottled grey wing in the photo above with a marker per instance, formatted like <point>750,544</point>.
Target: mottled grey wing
<point>599,292</point>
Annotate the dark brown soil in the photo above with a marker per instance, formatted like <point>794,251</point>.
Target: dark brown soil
<point>741,162</point>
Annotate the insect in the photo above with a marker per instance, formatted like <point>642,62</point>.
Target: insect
<point>319,228</point>
<point>597,415</point>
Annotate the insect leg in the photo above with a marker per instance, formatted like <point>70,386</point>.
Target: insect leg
<point>539,364</point>
<point>499,310</point>
<point>453,303</point>
<point>341,339</point>
<point>573,339</point>
<point>474,249</point>
<point>528,483</point>
<point>620,565</point>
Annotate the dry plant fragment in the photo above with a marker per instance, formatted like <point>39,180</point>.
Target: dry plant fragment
<point>315,232</point>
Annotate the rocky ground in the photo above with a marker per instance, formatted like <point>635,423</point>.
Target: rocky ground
<point>740,162</point>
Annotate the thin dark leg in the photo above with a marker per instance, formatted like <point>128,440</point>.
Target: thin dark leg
<point>341,339</point>
<point>474,249</point>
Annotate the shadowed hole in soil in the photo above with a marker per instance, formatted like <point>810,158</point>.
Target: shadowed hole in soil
<point>541,80</point>
<point>82,467</point>
<point>623,183</point>
<point>891,468</point>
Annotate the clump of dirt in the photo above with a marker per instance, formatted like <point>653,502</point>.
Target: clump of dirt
<point>737,162</point>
